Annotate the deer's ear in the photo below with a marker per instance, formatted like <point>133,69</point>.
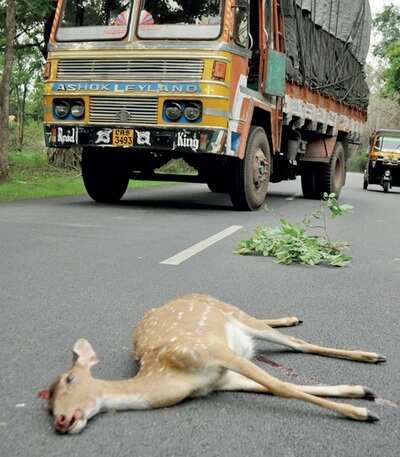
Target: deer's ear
<point>83,353</point>
<point>44,394</point>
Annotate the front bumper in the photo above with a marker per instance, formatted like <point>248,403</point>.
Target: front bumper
<point>179,140</point>
<point>376,172</point>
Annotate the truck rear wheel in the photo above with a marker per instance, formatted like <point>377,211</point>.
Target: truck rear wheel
<point>320,178</point>
<point>333,173</point>
<point>309,180</point>
<point>251,175</point>
<point>104,175</point>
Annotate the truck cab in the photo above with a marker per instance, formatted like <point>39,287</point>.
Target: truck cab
<point>383,166</point>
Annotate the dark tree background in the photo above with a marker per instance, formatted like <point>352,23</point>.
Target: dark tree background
<point>188,11</point>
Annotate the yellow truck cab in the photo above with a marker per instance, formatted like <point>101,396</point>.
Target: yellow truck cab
<point>383,166</point>
<point>219,83</point>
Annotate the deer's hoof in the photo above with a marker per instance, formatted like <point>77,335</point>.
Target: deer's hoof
<point>380,359</point>
<point>368,394</point>
<point>372,417</point>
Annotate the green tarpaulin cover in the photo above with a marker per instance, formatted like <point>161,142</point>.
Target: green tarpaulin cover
<point>327,43</point>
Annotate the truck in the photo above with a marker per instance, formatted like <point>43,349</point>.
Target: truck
<point>246,92</point>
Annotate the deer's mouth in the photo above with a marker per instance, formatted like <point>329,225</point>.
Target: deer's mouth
<point>64,425</point>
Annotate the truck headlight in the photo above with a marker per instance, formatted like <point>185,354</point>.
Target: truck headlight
<point>192,112</point>
<point>78,109</point>
<point>61,109</point>
<point>173,111</point>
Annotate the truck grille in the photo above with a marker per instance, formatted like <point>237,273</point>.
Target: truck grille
<point>124,110</point>
<point>131,70</point>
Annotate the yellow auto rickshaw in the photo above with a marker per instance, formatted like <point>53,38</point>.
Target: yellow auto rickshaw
<point>383,166</point>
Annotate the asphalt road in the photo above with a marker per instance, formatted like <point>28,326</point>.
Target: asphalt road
<point>70,268</point>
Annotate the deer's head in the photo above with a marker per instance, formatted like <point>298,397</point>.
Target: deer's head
<point>73,397</point>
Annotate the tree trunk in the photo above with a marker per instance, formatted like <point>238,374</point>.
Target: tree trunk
<point>69,158</point>
<point>21,117</point>
<point>5,87</point>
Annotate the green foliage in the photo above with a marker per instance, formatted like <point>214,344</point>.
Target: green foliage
<point>392,75</point>
<point>359,161</point>
<point>387,23</point>
<point>388,48</point>
<point>294,242</point>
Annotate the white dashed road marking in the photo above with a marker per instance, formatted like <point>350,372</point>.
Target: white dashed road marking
<point>201,246</point>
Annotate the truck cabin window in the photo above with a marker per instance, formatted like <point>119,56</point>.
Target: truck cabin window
<point>180,19</point>
<point>388,144</point>
<point>89,20</point>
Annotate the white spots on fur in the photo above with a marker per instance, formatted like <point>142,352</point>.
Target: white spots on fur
<point>173,339</point>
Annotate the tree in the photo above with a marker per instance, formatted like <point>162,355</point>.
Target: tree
<point>387,24</point>
<point>27,67</point>
<point>10,26</point>
<point>392,74</point>
<point>31,16</point>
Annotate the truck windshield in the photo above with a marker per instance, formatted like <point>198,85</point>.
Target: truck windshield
<point>388,144</point>
<point>86,20</point>
<point>180,19</point>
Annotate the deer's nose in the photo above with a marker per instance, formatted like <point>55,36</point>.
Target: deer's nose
<point>60,422</point>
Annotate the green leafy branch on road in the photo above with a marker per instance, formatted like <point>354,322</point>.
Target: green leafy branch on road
<point>298,242</point>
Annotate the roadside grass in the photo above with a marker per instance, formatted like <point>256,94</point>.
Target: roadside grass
<point>32,177</point>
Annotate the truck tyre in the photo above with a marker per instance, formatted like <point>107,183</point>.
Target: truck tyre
<point>386,187</point>
<point>250,178</point>
<point>332,177</point>
<point>320,178</point>
<point>219,187</point>
<point>104,176</point>
<point>309,180</point>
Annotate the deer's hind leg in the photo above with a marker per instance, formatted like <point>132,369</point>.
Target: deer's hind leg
<point>233,381</point>
<point>251,321</point>
<point>274,336</point>
<point>279,388</point>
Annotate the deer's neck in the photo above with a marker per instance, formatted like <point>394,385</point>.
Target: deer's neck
<point>123,395</point>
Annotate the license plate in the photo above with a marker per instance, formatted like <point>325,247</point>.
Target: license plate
<point>122,137</point>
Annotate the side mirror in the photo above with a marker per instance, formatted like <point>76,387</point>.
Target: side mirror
<point>242,23</point>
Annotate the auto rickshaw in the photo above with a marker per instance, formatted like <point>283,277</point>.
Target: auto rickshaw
<point>383,160</point>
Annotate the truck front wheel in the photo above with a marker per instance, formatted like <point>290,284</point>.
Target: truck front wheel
<point>104,176</point>
<point>251,175</point>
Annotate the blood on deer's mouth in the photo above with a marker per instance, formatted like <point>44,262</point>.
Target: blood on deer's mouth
<point>63,426</point>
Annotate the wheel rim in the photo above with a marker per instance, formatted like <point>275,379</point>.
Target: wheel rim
<point>260,170</point>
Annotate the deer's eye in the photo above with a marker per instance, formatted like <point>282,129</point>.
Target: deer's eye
<point>69,379</point>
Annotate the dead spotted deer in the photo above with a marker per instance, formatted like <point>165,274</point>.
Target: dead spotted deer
<point>190,347</point>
